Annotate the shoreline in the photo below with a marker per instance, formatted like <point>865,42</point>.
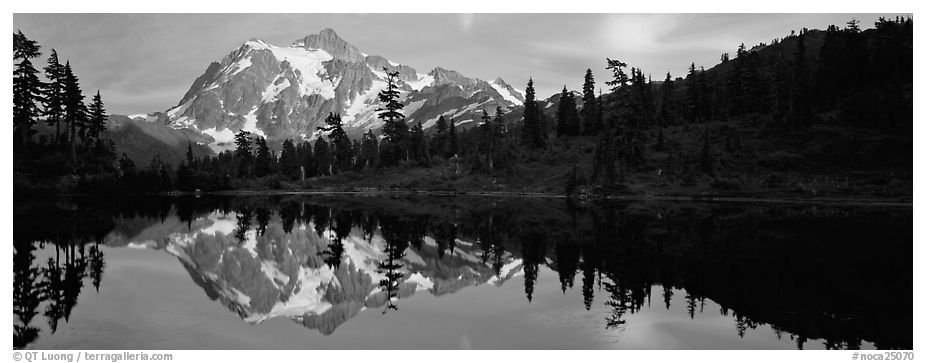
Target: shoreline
<point>699,198</point>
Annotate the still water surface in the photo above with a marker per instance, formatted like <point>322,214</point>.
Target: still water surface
<point>341,272</point>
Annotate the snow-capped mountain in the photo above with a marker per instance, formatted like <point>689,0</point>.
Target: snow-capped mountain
<point>273,273</point>
<point>285,92</point>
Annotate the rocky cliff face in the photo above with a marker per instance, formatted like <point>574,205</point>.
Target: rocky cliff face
<point>285,92</point>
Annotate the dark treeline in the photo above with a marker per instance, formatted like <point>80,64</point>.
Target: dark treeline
<point>679,129</point>
<point>74,149</point>
<point>749,121</point>
<point>795,270</point>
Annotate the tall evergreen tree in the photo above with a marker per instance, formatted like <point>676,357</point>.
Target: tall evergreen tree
<point>289,161</point>
<point>487,140</point>
<point>338,142</point>
<point>667,104</point>
<point>27,89</point>
<point>243,153</point>
<point>692,104</point>
<point>264,160</point>
<point>97,119</point>
<point>567,117</point>
<point>307,161</point>
<point>591,123</point>
<point>395,131</point>
<point>565,114</point>
<point>369,150</point>
<point>619,77</point>
<point>322,157</point>
<point>533,132</point>
<point>453,143</point>
<point>75,111</point>
<point>418,144</point>
<point>439,141</point>
<point>54,94</point>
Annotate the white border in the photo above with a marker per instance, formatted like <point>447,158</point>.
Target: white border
<point>494,6</point>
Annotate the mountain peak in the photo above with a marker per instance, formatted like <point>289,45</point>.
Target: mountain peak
<point>329,41</point>
<point>501,82</point>
<point>328,32</point>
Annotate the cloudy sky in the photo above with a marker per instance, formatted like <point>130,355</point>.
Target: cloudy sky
<point>146,62</point>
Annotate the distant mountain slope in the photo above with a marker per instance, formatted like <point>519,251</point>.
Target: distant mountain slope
<point>141,140</point>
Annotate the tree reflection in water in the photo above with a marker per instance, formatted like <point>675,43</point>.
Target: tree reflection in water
<point>793,269</point>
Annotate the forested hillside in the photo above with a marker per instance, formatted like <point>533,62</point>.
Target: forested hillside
<point>819,113</point>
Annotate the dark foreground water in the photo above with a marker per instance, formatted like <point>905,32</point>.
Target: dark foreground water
<point>341,272</point>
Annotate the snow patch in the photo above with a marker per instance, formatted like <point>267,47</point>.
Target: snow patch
<point>224,139</point>
<point>410,108</point>
<point>308,298</point>
<point>242,298</point>
<point>414,258</point>
<point>424,283</point>
<point>423,81</point>
<point>308,63</point>
<point>277,277</point>
<point>250,124</point>
<point>361,111</point>
<point>224,224</point>
<point>240,65</point>
<point>274,89</point>
<point>502,90</point>
<point>250,244</point>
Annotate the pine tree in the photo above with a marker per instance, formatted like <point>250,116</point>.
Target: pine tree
<point>498,123</point>
<point>453,146</point>
<point>322,157</point>
<point>369,150</point>
<point>395,131</point>
<point>243,153</point>
<point>418,145</point>
<point>591,124</point>
<point>617,69</point>
<point>97,119</point>
<point>306,159</point>
<point>487,140</point>
<point>289,162</point>
<point>667,106</point>
<point>533,132</point>
<point>27,89</point>
<point>566,115</point>
<point>852,26</point>
<point>439,141</point>
<point>75,111</point>
<point>704,105</point>
<point>54,94</point>
<point>338,142</point>
<point>692,105</point>
<point>264,160</point>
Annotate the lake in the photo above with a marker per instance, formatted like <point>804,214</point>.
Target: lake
<point>415,272</point>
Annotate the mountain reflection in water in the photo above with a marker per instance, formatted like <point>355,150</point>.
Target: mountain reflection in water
<point>840,275</point>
